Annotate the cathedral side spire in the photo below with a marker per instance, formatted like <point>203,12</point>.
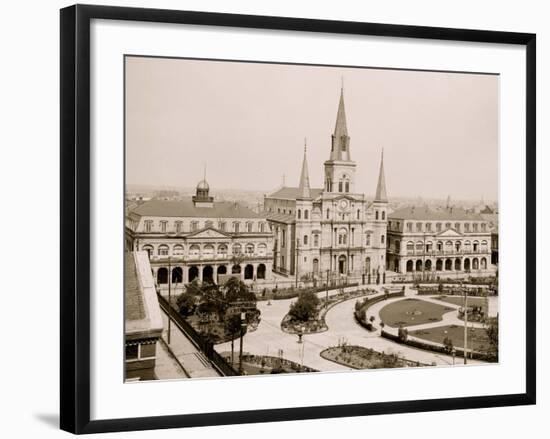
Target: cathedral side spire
<point>304,189</point>
<point>381,186</point>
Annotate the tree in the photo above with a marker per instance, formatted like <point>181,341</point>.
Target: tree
<point>186,304</point>
<point>232,327</point>
<point>492,334</point>
<point>305,307</point>
<point>237,291</point>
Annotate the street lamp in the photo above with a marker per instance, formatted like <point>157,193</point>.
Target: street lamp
<point>453,352</point>
<point>243,325</point>
<point>301,330</point>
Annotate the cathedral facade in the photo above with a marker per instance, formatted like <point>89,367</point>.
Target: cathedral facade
<point>330,232</point>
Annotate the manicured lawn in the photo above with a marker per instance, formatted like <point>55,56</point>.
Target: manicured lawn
<point>409,312</point>
<point>459,300</point>
<point>477,337</point>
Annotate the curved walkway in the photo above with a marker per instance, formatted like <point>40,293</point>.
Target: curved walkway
<point>268,339</point>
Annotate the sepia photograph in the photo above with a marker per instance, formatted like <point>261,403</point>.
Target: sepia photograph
<point>296,218</point>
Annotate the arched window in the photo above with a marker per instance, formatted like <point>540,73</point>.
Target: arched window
<point>458,245</point>
<point>476,246</point>
<point>410,247</point>
<point>340,186</point>
<point>429,246</point>
<point>467,246</point>
<point>237,249</point>
<point>262,249</point>
<point>178,250</point>
<point>299,214</point>
<point>397,245</point>
<point>483,246</point>
<point>305,239</point>
<point>262,227</point>
<point>149,249</point>
<point>376,215</point>
<point>342,237</point>
<point>249,249</point>
<point>383,215</point>
<point>306,214</point>
<point>261,271</point>
<point>194,251</point>
<point>316,240</point>
<point>222,250</point>
<point>177,275</point>
<point>358,213</point>
<point>439,246</point>
<point>162,275</point>
<point>347,186</point>
<point>163,250</point>
<point>382,239</point>
<point>483,264</point>
<point>419,247</point>
<point>208,251</point>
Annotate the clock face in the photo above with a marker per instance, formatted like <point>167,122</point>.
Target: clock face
<point>343,204</point>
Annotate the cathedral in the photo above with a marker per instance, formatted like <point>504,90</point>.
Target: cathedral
<point>331,232</point>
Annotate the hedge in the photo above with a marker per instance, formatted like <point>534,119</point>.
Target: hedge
<point>439,349</point>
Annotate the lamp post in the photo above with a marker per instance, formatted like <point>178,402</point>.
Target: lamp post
<point>300,333</point>
<point>453,352</point>
<point>243,324</point>
<point>169,298</point>
<point>465,324</point>
<point>296,264</point>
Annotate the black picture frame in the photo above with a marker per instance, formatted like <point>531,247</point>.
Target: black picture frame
<point>75,217</point>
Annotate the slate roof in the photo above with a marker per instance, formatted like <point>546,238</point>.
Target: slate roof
<point>292,193</point>
<point>426,213</point>
<point>186,208</point>
<point>281,217</point>
<point>133,296</point>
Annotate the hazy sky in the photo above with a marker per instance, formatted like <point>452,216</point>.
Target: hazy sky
<point>248,122</point>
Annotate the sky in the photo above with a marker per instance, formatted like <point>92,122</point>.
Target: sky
<point>247,122</point>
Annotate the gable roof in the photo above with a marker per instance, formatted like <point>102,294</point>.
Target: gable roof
<point>292,193</point>
<point>426,213</point>
<point>186,208</point>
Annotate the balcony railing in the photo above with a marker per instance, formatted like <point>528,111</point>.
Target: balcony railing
<point>441,252</point>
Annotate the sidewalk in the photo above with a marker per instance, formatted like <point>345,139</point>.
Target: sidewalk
<point>193,361</point>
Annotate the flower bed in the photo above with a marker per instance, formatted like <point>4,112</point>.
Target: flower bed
<point>359,357</point>
<point>266,364</point>
<point>318,324</point>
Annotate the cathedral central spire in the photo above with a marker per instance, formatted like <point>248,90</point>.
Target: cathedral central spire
<point>304,189</point>
<point>340,138</point>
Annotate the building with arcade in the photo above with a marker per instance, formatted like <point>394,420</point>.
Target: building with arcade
<point>200,238</point>
<point>448,242</point>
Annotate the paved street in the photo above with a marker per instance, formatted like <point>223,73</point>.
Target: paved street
<point>269,337</point>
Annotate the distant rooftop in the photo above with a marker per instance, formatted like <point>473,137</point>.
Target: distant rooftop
<point>292,193</point>
<point>186,208</point>
<point>427,213</point>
